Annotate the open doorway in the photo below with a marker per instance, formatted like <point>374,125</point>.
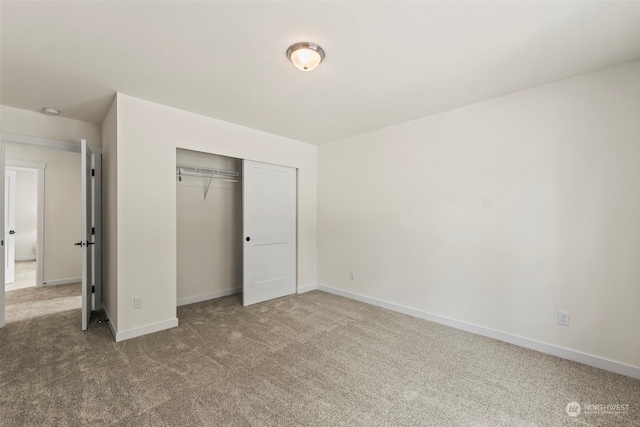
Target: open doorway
<point>23,209</point>
<point>59,258</point>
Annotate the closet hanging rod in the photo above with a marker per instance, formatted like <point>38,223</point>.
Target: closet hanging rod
<point>218,178</point>
<point>181,169</point>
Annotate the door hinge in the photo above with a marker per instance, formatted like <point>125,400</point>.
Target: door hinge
<point>93,230</point>
<point>93,289</point>
<point>93,172</point>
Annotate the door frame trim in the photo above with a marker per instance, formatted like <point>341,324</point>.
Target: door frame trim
<point>39,167</point>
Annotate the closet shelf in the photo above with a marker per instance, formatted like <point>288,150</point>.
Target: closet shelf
<point>206,175</point>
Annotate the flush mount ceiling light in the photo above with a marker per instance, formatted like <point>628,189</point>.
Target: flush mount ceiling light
<point>305,56</point>
<point>51,111</point>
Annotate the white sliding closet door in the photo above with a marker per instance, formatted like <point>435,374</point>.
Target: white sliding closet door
<point>269,227</point>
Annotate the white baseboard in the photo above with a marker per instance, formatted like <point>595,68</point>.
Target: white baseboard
<point>110,322</point>
<point>25,258</point>
<point>307,288</point>
<point>62,281</point>
<point>565,353</point>
<point>208,296</point>
<point>144,330</point>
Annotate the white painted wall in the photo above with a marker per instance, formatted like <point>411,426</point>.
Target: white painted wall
<point>209,231</point>
<point>26,213</point>
<point>31,123</point>
<point>110,215</point>
<point>499,214</point>
<point>61,208</point>
<point>148,136</point>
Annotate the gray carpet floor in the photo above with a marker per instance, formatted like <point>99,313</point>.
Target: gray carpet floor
<point>314,359</point>
<point>24,275</point>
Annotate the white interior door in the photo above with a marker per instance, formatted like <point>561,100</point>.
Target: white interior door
<point>87,239</point>
<point>269,227</point>
<point>96,231</point>
<point>2,241</point>
<point>9,225</point>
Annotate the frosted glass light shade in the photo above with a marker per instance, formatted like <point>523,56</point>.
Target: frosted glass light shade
<point>305,56</point>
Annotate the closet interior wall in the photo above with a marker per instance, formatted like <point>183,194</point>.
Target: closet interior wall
<point>209,230</point>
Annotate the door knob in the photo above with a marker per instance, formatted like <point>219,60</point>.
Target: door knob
<point>248,238</point>
<point>12,231</point>
<point>79,244</point>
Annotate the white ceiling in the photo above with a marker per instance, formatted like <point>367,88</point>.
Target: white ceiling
<point>386,63</point>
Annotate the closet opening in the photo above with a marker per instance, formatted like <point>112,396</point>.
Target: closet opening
<point>209,226</point>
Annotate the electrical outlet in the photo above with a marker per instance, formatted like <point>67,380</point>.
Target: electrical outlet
<point>352,275</point>
<point>137,302</point>
<point>563,318</point>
